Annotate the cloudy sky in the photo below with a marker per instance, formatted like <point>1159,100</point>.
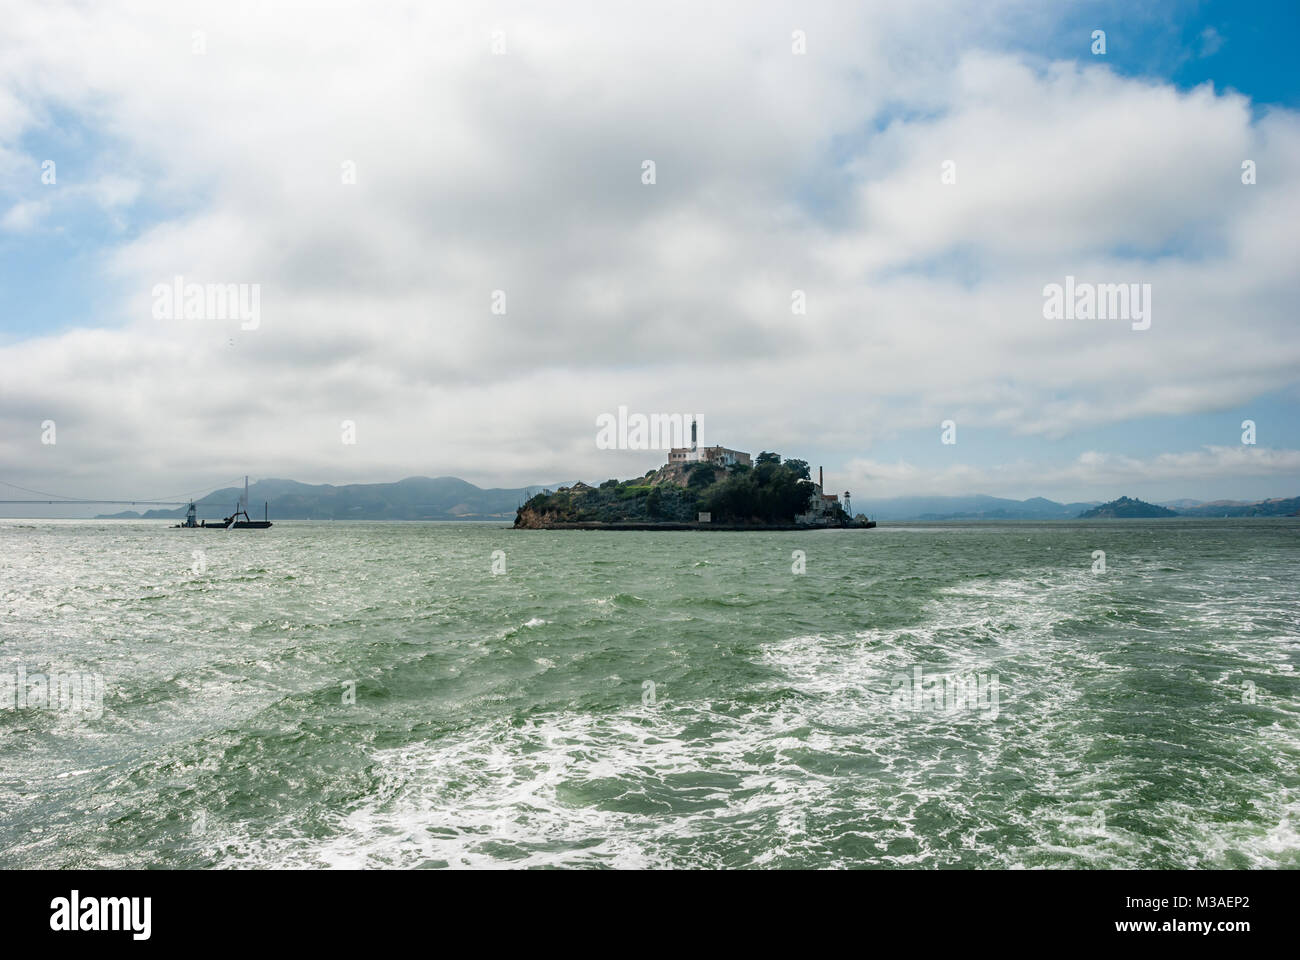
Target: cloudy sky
<point>795,147</point>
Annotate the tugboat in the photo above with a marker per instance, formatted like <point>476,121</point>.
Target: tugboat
<point>231,522</point>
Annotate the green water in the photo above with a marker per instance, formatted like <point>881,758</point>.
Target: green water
<point>506,719</point>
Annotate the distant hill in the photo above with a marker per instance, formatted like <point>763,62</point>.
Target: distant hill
<point>415,498</point>
<point>1125,508</point>
<point>1277,507</point>
<point>927,509</point>
<point>979,507</point>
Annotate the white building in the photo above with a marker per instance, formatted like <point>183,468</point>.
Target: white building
<point>717,456</point>
<point>822,506</point>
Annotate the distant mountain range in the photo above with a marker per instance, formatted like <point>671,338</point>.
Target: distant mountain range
<point>980,507</point>
<point>1276,507</point>
<point>415,498</point>
<point>450,498</point>
<point>1039,508</point>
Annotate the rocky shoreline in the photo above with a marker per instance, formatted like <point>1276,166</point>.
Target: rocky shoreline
<point>530,520</point>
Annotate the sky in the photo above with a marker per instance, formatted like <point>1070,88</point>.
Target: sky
<point>460,266</point>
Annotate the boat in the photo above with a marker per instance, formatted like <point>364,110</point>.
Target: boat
<point>231,522</point>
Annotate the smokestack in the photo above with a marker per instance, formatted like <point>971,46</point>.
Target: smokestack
<point>820,482</point>
<point>693,440</point>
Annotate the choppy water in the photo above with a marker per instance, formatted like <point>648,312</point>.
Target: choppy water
<point>507,719</point>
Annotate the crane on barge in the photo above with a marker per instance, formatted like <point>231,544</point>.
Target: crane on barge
<point>231,522</point>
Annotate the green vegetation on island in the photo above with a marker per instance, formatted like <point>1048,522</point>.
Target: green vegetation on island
<point>1126,508</point>
<point>768,493</point>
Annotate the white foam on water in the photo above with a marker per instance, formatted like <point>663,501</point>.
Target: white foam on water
<point>567,789</point>
<point>794,779</point>
<point>1042,734</point>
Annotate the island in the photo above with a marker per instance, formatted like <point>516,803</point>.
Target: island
<point>699,488</point>
<point>1125,508</point>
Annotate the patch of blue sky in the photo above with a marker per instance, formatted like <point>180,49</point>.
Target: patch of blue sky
<point>53,269</point>
<point>1247,47</point>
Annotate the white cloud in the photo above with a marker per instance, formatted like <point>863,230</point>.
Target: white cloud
<point>23,216</point>
<point>521,172</point>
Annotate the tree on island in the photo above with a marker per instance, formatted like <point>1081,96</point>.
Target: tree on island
<point>770,493</point>
<point>800,467</point>
<point>702,476</point>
